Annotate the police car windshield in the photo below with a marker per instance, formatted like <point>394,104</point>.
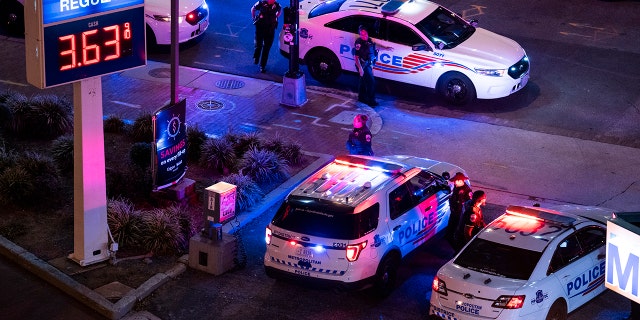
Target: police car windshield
<point>326,7</point>
<point>444,27</point>
<point>325,219</point>
<point>498,259</point>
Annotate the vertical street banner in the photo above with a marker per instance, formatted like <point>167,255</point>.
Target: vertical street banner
<point>170,141</point>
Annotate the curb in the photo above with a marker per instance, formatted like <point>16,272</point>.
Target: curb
<point>124,305</point>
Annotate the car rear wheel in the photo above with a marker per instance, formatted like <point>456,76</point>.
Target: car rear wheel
<point>456,88</point>
<point>558,311</point>
<point>323,65</point>
<point>386,275</point>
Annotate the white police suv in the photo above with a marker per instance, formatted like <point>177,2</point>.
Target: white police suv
<point>529,263</point>
<point>431,47</point>
<point>351,222</point>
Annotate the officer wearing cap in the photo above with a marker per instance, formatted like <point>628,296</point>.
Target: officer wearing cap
<point>472,220</point>
<point>460,194</point>
<point>365,57</point>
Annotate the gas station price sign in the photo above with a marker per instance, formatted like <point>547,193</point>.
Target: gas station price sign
<point>75,39</point>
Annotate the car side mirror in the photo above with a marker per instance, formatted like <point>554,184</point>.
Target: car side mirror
<point>446,175</point>
<point>474,23</point>
<point>420,47</point>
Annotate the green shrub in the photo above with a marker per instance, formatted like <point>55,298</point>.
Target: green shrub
<point>218,154</point>
<point>42,168</point>
<point>161,234</point>
<point>17,186</point>
<point>292,152</point>
<point>21,114</point>
<point>246,142</point>
<point>5,110</point>
<point>248,193</point>
<point>142,128</point>
<point>125,222</point>
<point>275,144</point>
<point>133,183</point>
<point>195,140</point>
<point>140,154</point>
<point>190,221</point>
<point>52,116</point>
<point>113,124</point>
<point>7,158</point>
<point>264,166</point>
<point>62,153</point>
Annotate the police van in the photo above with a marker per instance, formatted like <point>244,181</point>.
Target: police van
<point>350,223</point>
<point>430,46</point>
<point>530,263</point>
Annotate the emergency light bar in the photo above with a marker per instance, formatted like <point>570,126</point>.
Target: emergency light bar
<point>392,7</point>
<point>540,214</point>
<point>368,164</point>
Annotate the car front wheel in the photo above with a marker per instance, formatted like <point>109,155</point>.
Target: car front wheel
<point>456,88</point>
<point>323,65</point>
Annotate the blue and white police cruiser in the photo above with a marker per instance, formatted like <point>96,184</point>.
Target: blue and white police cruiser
<point>530,263</point>
<point>431,47</point>
<point>350,223</point>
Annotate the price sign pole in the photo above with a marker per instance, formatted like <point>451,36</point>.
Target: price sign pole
<point>68,42</point>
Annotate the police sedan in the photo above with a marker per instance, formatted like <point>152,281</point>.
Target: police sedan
<point>530,263</point>
<point>420,42</point>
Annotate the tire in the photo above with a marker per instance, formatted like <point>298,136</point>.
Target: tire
<point>387,275</point>
<point>323,65</point>
<point>558,311</point>
<point>456,88</point>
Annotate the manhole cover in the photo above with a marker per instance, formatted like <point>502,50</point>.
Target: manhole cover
<point>229,84</point>
<point>210,105</point>
<point>160,73</point>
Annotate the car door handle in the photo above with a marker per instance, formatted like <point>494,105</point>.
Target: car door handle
<point>601,256</point>
<point>396,227</point>
<point>428,208</point>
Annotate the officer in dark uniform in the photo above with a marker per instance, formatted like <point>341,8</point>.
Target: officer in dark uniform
<point>359,141</point>
<point>265,15</point>
<point>365,57</point>
<point>460,194</point>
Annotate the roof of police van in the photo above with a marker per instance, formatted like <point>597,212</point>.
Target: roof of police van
<point>349,180</point>
<point>533,228</point>
<point>412,11</point>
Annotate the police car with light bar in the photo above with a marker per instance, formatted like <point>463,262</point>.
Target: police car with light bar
<point>530,263</point>
<point>431,47</point>
<point>351,222</point>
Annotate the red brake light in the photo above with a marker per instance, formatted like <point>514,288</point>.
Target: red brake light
<point>439,286</point>
<point>509,302</point>
<point>353,251</point>
<point>267,236</point>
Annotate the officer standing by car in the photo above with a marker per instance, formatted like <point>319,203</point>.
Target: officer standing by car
<point>460,194</point>
<point>265,15</point>
<point>472,220</point>
<point>365,57</point>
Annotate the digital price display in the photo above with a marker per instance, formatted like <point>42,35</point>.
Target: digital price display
<point>77,39</point>
<point>95,46</point>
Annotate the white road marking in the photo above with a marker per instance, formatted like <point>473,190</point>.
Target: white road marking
<point>131,105</point>
<point>14,83</point>
<point>314,122</point>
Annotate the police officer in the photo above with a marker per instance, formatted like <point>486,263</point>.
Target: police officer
<point>265,15</point>
<point>472,220</point>
<point>365,57</point>
<point>460,194</point>
<point>359,141</point>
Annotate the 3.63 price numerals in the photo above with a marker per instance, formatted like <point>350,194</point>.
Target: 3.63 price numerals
<point>94,45</point>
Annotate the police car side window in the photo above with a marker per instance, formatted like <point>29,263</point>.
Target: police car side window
<point>398,33</point>
<point>567,251</point>
<point>401,200</point>
<point>351,24</point>
<point>592,238</point>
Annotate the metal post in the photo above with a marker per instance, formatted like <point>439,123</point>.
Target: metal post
<point>175,50</point>
<point>293,84</point>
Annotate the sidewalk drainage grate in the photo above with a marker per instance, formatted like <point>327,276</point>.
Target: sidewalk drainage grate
<point>229,84</point>
<point>160,73</point>
<point>210,105</point>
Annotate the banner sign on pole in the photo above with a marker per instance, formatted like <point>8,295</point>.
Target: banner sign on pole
<point>170,138</point>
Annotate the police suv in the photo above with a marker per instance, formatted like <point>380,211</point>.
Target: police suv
<point>350,223</point>
<point>431,47</point>
<point>529,263</point>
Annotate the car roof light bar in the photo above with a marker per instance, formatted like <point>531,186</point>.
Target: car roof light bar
<point>541,214</point>
<point>392,7</point>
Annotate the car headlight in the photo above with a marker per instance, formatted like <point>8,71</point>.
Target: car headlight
<point>491,72</point>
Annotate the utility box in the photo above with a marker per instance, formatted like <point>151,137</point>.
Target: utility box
<point>211,256</point>
<point>622,268</point>
<point>220,203</point>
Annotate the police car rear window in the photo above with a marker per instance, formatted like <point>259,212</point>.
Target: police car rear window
<point>326,7</point>
<point>498,259</point>
<point>320,220</point>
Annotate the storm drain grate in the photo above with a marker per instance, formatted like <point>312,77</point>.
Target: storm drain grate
<point>210,105</point>
<point>229,84</point>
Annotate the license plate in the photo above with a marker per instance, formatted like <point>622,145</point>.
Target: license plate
<point>305,252</point>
